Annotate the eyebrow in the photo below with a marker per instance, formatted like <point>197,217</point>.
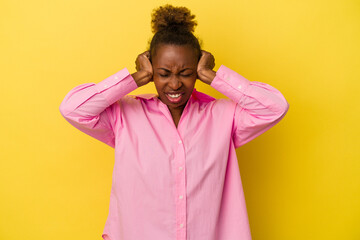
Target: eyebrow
<point>167,70</point>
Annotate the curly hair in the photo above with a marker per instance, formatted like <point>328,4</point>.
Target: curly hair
<point>173,25</point>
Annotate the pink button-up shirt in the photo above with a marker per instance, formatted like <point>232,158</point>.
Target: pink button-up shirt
<point>175,183</point>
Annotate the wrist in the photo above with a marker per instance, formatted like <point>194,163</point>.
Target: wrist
<point>207,75</point>
<point>141,77</point>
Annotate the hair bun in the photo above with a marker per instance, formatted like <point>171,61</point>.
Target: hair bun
<point>169,17</point>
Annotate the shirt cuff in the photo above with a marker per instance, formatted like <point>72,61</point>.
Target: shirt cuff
<point>116,86</point>
<point>230,83</point>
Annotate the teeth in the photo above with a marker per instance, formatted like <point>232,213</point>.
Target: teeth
<point>174,95</point>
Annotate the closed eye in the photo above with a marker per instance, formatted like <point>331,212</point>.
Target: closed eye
<point>186,75</point>
<point>183,75</point>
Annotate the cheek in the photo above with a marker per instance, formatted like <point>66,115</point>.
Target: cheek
<point>158,83</point>
<point>190,82</point>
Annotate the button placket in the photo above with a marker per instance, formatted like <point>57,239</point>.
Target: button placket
<point>180,193</point>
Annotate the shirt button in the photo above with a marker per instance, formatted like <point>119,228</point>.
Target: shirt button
<point>228,78</point>
<point>181,196</point>
<point>239,87</point>
<point>105,86</point>
<point>180,168</point>
<point>180,141</point>
<point>116,77</point>
<point>181,225</point>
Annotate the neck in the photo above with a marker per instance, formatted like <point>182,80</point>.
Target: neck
<point>176,112</point>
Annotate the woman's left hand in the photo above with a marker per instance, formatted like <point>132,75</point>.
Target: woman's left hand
<point>205,66</point>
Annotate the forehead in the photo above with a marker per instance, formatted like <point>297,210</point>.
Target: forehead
<point>175,56</point>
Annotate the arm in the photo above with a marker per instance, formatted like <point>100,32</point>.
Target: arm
<point>259,106</point>
<point>88,106</point>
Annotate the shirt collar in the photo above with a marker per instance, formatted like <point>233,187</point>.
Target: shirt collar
<point>147,96</point>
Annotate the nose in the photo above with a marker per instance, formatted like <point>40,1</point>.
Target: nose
<point>175,82</point>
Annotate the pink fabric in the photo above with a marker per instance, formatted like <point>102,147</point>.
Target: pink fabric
<point>175,183</point>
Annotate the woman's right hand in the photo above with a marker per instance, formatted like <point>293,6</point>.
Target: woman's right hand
<point>144,69</point>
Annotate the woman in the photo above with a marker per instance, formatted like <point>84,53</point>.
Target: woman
<point>176,173</point>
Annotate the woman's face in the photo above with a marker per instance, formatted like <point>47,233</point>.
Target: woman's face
<point>174,74</point>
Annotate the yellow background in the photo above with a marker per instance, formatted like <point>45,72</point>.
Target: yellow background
<point>301,178</point>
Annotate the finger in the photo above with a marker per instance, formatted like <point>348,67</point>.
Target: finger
<point>145,55</point>
<point>206,52</point>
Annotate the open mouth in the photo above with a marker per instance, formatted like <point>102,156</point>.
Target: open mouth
<point>174,98</point>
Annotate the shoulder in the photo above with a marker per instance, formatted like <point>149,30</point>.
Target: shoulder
<point>132,103</point>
